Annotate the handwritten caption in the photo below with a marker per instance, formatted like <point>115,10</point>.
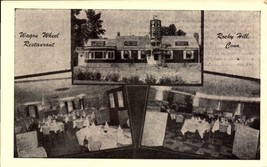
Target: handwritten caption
<point>229,36</point>
<point>29,42</point>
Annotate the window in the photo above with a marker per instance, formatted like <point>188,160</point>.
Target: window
<point>126,54</point>
<point>143,54</point>
<point>168,55</point>
<point>134,54</point>
<point>156,57</point>
<point>181,43</point>
<point>188,55</point>
<point>98,55</point>
<point>92,55</point>
<point>120,99</point>
<point>33,111</point>
<point>111,100</point>
<point>110,54</point>
<point>87,56</point>
<point>130,43</point>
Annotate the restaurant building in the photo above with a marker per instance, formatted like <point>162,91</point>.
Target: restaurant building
<point>153,48</point>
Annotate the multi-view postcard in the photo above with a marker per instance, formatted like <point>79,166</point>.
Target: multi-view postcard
<point>109,83</point>
<point>136,47</point>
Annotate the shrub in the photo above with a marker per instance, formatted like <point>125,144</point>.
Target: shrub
<point>171,80</point>
<point>165,80</point>
<point>96,75</point>
<point>177,80</point>
<point>114,77</point>
<point>79,75</point>
<point>88,74</point>
<point>150,79</point>
<point>132,80</point>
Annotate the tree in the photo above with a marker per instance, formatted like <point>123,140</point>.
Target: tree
<point>94,24</point>
<point>171,30</point>
<point>180,33</point>
<point>87,28</point>
<point>77,28</point>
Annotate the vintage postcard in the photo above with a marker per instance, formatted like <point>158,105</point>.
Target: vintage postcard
<point>86,82</point>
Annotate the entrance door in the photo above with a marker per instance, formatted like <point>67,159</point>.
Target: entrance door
<point>116,103</point>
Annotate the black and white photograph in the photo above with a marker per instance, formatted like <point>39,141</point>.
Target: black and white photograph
<point>54,118</point>
<point>220,120</point>
<point>155,47</point>
<point>132,83</point>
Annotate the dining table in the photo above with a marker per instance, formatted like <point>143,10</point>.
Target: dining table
<point>110,137</point>
<point>196,124</point>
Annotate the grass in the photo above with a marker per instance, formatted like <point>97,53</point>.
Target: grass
<point>139,73</point>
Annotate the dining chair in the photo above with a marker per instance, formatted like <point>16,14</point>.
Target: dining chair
<point>46,133</point>
<point>79,124</point>
<point>62,132</point>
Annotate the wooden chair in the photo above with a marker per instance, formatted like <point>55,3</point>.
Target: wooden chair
<point>62,132</point>
<point>46,133</point>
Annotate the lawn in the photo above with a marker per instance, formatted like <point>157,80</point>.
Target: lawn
<point>139,73</point>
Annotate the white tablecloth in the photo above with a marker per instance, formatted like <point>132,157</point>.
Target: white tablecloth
<point>108,139</point>
<point>53,126</point>
<point>191,125</point>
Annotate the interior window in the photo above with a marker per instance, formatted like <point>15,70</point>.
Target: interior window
<point>120,99</point>
<point>111,100</point>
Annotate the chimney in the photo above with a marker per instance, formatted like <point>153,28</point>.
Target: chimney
<point>118,34</point>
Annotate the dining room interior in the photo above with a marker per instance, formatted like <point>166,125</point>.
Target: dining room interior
<point>53,118</point>
<point>220,120</point>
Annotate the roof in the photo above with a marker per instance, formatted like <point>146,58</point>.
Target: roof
<point>192,42</point>
<point>141,42</point>
<point>108,42</point>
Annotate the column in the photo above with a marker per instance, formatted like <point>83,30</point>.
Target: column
<point>219,106</point>
<point>139,54</point>
<point>195,102</point>
<point>122,57</point>
<point>70,106</point>
<point>130,54</point>
<point>238,110</point>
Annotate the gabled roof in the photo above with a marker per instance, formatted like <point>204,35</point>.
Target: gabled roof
<point>108,42</point>
<point>192,42</point>
<point>141,42</point>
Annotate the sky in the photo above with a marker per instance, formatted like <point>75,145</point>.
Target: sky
<point>136,22</point>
